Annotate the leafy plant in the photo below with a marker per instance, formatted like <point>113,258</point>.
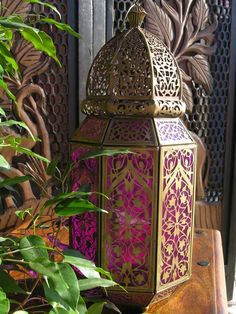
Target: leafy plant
<point>43,262</point>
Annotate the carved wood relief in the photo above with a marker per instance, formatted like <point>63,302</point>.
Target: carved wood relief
<point>185,28</point>
<point>31,106</point>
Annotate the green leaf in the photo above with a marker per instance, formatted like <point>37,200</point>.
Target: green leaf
<point>6,54</point>
<point>29,152</point>
<point>104,152</point>
<point>81,307</point>
<point>51,6</point>
<point>96,308</point>
<point>8,284</point>
<point>54,299</point>
<point>71,207</point>
<point>61,26</point>
<point>62,279</point>
<point>87,284</point>
<point>2,112</point>
<point>87,268</point>
<point>41,41</point>
<point>4,302</point>
<point>4,86</point>
<point>17,123</point>
<point>51,169</point>
<point>4,163</point>
<point>33,248</point>
<point>13,181</point>
<point>22,213</point>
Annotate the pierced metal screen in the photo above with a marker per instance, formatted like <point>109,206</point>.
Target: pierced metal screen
<point>208,118</point>
<point>55,84</point>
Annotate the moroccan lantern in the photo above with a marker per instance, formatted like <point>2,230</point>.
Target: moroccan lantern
<point>134,101</point>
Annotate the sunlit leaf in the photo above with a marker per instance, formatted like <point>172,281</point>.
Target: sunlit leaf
<point>41,41</point>
<point>61,26</point>
<point>13,181</point>
<point>4,302</point>
<point>45,4</point>
<point>71,207</point>
<point>4,163</point>
<point>87,284</point>
<point>33,248</point>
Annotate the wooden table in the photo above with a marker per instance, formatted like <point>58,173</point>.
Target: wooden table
<point>205,292</point>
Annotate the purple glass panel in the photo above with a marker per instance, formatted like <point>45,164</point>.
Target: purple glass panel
<point>176,230</point>
<point>84,227</point>
<point>127,240</point>
<point>172,131</point>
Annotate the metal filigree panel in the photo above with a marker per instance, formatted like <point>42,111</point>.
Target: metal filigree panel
<point>84,233</point>
<point>166,73</point>
<point>176,215</point>
<point>172,131</point>
<point>130,132</point>
<point>92,130</point>
<point>127,249</point>
<point>132,78</point>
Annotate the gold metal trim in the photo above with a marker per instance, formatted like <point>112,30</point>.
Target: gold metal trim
<point>163,149</point>
<point>153,246</point>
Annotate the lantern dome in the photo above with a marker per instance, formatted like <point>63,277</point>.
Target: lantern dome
<point>134,74</point>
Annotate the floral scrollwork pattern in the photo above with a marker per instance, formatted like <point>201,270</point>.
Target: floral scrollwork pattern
<point>84,227</point>
<point>177,213</point>
<point>127,249</point>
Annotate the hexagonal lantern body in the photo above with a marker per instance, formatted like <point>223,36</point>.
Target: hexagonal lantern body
<point>134,101</point>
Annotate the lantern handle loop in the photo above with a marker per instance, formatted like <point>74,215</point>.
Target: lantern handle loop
<point>136,2</point>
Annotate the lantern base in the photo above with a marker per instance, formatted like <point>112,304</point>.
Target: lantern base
<point>139,301</point>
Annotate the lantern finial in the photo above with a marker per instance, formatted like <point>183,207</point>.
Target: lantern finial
<point>136,15</point>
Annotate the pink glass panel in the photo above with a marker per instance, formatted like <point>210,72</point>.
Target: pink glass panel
<point>177,207</point>
<point>84,227</point>
<point>127,246</point>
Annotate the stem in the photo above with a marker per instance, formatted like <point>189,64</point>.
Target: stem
<point>15,261</point>
<point>30,293</point>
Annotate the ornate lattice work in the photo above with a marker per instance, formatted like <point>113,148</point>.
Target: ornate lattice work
<point>166,74</point>
<point>84,227</point>
<point>172,131</point>
<point>177,180</point>
<point>99,76</point>
<point>132,70</point>
<point>92,130</point>
<point>209,116</point>
<point>55,84</point>
<point>127,249</point>
<point>130,132</point>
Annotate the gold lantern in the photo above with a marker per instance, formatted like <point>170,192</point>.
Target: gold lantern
<point>134,101</point>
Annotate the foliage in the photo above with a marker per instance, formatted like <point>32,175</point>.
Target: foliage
<point>44,262</point>
<point>48,263</point>
<point>185,28</point>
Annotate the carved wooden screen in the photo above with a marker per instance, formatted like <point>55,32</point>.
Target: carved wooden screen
<point>55,83</point>
<point>54,123</point>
